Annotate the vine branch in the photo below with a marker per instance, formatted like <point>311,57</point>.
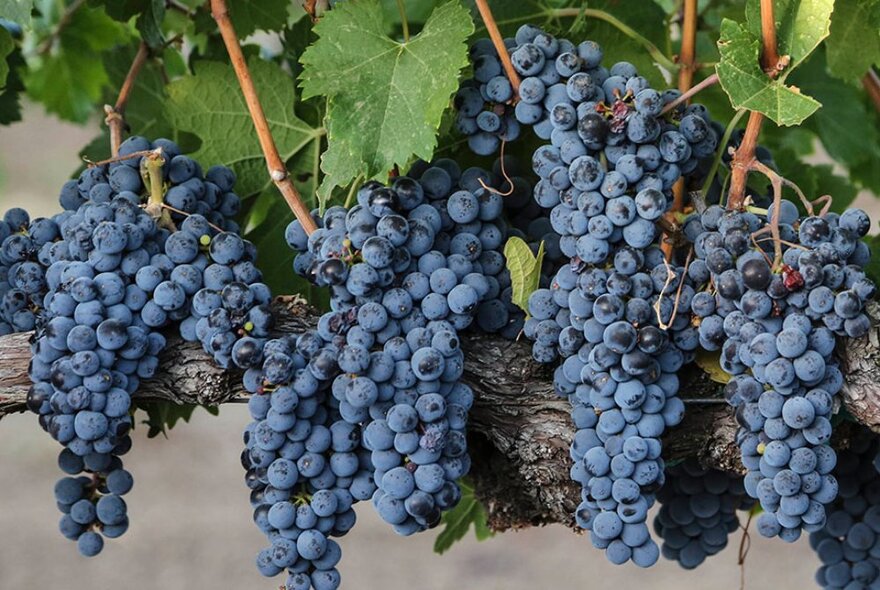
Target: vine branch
<point>519,430</point>
<point>115,118</point>
<point>744,156</point>
<point>500,47</point>
<point>687,63</point>
<point>277,170</point>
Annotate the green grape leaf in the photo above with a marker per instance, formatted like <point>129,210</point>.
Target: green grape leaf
<point>249,16</point>
<point>854,43</point>
<point>149,23</point>
<point>525,270</point>
<point>386,98</point>
<point>748,87</point>
<point>6,46</point>
<point>801,25</point>
<point>163,416</point>
<point>458,521</point>
<point>210,105</point>
<point>10,107</point>
<point>848,130</point>
<point>710,363</point>
<point>17,11</point>
<point>69,80</point>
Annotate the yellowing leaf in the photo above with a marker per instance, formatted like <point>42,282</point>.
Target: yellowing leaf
<point>525,270</point>
<point>710,362</point>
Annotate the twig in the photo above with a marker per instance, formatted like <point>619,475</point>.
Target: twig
<point>687,57</point>
<point>500,47</point>
<point>115,118</point>
<point>770,55</point>
<point>46,46</point>
<point>401,8</point>
<point>688,94</point>
<point>716,163</point>
<point>745,543</point>
<point>118,158</point>
<point>687,61</point>
<point>504,175</point>
<point>277,171</point>
<point>745,154</point>
<point>871,82</point>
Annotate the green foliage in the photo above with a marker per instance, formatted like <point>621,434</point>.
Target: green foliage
<point>209,105</point>
<point>385,98</point>
<point>17,11</point>
<point>249,16</point>
<point>6,47</point>
<point>801,26</point>
<point>163,416</point>
<point>68,80</point>
<point>854,44</point>
<point>748,87</point>
<point>458,521</point>
<point>10,109</point>
<point>525,270</point>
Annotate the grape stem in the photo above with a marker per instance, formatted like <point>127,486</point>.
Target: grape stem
<point>687,61</point>
<point>179,7</point>
<point>153,162</point>
<point>744,157</point>
<point>277,170</point>
<point>500,47</point>
<point>690,93</point>
<point>871,82</point>
<point>115,114</point>
<point>401,8</point>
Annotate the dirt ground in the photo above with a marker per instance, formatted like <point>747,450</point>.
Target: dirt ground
<point>191,523</point>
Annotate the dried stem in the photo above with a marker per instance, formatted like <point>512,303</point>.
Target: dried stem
<point>687,57</point>
<point>770,55</point>
<point>745,153</point>
<point>115,118</point>
<point>277,171</point>
<point>500,47</point>
<point>871,82</point>
<point>686,62</point>
<point>690,93</point>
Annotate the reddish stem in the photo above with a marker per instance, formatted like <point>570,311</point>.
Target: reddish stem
<point>871,82</point>
<point>500,47</point>
<point>115,118</point>
<point>277,170</point>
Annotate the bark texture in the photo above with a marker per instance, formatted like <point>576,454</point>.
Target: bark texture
<point>519,428</point>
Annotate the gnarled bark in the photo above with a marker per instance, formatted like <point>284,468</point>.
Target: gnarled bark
<point>519,428</point>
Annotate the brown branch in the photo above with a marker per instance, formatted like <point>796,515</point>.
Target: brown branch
<point>690,93</point>
<point>687,64</point>
<point>745,153</point>
<point>687,59</point>
<point>277,170</point>
<point>871,82</point>
<point>500,47</point>
<point>770,54</point>
<point>519,429</point>
<point>115,118</point>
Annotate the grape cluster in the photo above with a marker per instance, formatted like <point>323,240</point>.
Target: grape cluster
<point>105,278</point>
<point>619,374</point>
<point>698,512</point>
<point>848,545</point>
<point>410,266</point>
<point>776,334</point>
<point>90,352</point>
<point>26,248</point>
<point>305,465</point>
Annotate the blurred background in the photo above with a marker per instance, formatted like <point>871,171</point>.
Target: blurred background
<point>191,521</point>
